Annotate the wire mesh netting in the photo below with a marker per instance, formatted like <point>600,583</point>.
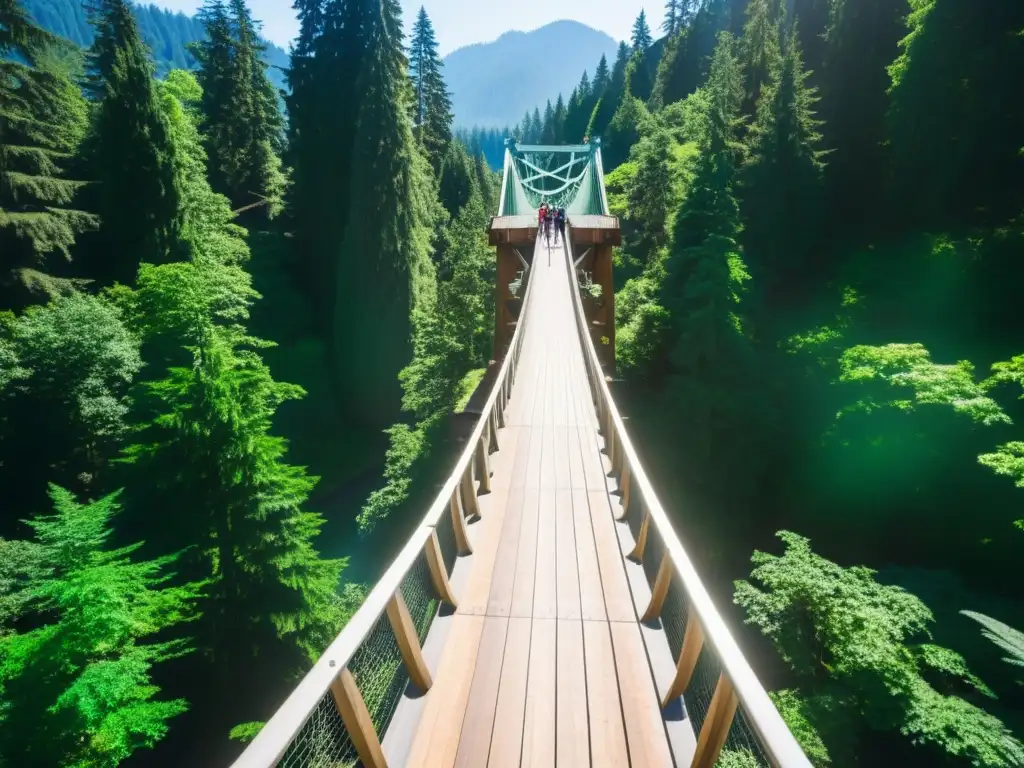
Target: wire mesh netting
<point>418,592</point>
<point>380,674</point>
<point>446,540</point>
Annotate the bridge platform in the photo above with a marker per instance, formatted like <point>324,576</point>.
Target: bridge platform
<point>543,662</point>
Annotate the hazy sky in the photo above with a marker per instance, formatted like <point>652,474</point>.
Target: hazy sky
<point>462,22</point>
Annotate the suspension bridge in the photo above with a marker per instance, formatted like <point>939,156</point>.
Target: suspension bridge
<point>544,610</point>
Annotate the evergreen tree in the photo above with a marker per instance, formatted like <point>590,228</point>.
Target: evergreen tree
<point>459,179</point>
<point>642,39</point>
<point>602,76</point>
<point>536,127</point>
<point>488,184</point>
<point>759,48</point>
<point>241,116</point>
<point>81,680</point>
<point>323,110</point>
<point>689,68</point>
<point>612,95</point>
<point>673,21</point>
<point>652,193</point>
<point>432,105</point>
<point>705,358</point>
<point>782,185</point>
<point>549,131</point>
<point>559,115</point>
<point>638,77</point>
<point>129,154</point>
<point>384,267</point>
<point>43,118</point>
<point>205,473</point>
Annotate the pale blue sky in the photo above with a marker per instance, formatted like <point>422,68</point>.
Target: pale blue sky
<point>463,22</point>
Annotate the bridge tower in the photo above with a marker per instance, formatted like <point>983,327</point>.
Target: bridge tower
<point>572,177</point>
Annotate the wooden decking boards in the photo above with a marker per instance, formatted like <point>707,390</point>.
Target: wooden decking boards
<point>544,662</point>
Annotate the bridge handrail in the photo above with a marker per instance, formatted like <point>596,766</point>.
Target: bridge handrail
<point>779,744</point>
<point>278,733</point>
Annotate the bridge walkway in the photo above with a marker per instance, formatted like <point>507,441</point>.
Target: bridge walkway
<point>543,662</point>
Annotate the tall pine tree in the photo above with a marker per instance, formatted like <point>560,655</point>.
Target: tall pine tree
<point>759,48</point>
<point>432,105</point>
<point>642,39</point>
<point>129,154</point>
<point>782,187</point>
<point>384,269</point>
<point>43,118</point>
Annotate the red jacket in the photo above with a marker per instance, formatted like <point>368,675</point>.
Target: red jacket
<point>541,214</point>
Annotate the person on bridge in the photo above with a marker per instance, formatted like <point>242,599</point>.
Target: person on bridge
<point>542,219</point>
<point>551,226</point>
<point>560,221</point>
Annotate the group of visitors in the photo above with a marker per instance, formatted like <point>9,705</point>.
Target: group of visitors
<point>551,218</point>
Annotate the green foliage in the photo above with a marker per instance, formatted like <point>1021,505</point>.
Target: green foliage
<point>241,118</point>
<point>1010,640</point>
<point>432,104</point>
<point>130,154</point>
<point>867,646</point>
<point>909,368</point>
<point>801,716</point>
<point>42,119</point>
<point>733,758</point>
<point>80,682</point>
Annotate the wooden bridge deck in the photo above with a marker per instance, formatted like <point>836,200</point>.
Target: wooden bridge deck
<point>544,661</point>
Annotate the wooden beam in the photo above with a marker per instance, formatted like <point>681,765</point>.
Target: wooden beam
<point>408,641</point>
<point>438,574</point>
<point>358,722</point>
<point>660,590</point>
<point>483,469</point>
<point>469,502</point>
<point>624,488</point>
<point>641,538</point>
<point>492,430</point>
<point>693,642</point>
<point>459,524</point>
<point>717,723</point>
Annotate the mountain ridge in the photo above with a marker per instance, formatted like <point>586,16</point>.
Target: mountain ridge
<point>494,83</point>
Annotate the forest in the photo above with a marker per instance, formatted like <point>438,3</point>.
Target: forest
<point>231,339</point>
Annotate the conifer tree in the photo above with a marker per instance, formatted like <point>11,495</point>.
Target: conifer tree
<point>536,127</point>
<point>82,679</point>
<point>638,77</point>
<point>673,20</point>
<point>642,39</point>
<point>384,269</point>
<point>323,110</point>
<point>782,184</point>
<point>759,48</point>
<point>549,130</point>
<point>613,93</point>
<point>243,123</point>
<point>129,154</point>
<point>602,76</point>
<point>559,115</point>
<point>43,118</point>
<point>432,105</point>
<point>689,67</point>
<point>458,179</point>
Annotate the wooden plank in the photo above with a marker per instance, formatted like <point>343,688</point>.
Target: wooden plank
<point>563,469</point>
<point>567,576</point>
<point>591,591</point>
<point>486,534</point>
<point>475,741</point>
<point>526,559</point>
<point>437,737</point>
<point>536,455</point>
<point>592,467</point>
<point>617,598</point>
<point>547,467</point>
<point>545,598</point>
<point>507,741</point>
<point>503,462</point>
<point>577,477</point>
<point>539,726</point>
<point>645,730</point>
<point>607,733</point>
<point>499,600</point>
<point>572,728</point>
<point>518,476</point>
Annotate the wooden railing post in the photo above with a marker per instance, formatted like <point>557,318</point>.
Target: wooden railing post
<point>641,538</point>
<point>660,590</point>
<point>624,489</point>
<point>693,642</point>
<point>483,469</point>
<point>469,502</point>
<point>459,524</point>
<point>492,431</point>
<point>438,574</point>
<point>408,641</point>
<point>717,723</point>
<point>357,720</point>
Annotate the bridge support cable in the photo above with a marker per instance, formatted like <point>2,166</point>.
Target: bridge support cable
<point>338,713</point>
<point>723,699</point>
